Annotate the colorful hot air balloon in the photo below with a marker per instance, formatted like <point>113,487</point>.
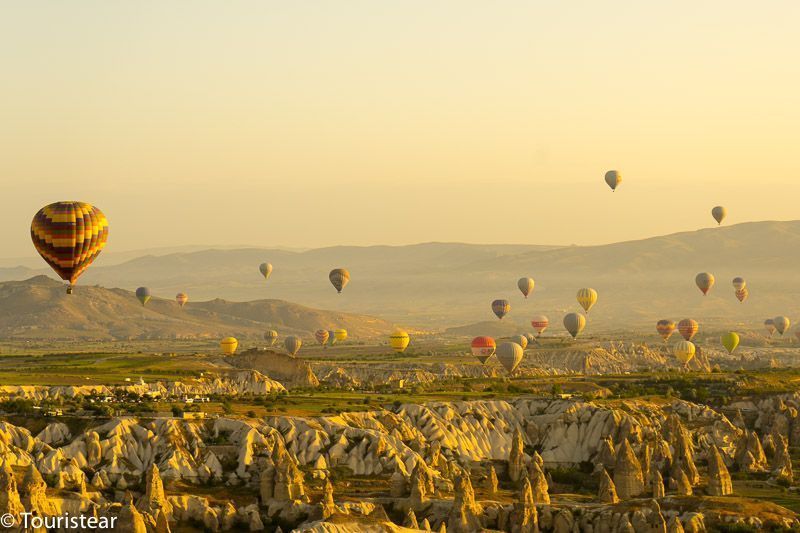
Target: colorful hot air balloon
<point>399,340</point>
<point>340,334</point>
<point>688,328</point>
<point>684,351</point>
<point>270,336</point>
<point>587,298</point>
<point>228,345</point>
<point>770,325</point>
<point>339,278</point>
<point>613,179</point>
<point>782,324</point>
<point>739,283</point>
<point>730,341</point>
<point>322,336</point>
<point>665,328</point>
<point>704,282</point>
<point>331,337</point>
<point>510,355</point>
<point>143,295</point>
<point>520,339</point>
<point>69,236</point>
<point>719,213</point>
<point>501,308</point>
<point>265,269</point>
<point>483,348</point>
<point>181,298</point>
<point>540,323</point>
<point>742,294</point>
<point>574,324</point>
<point>526,286</point>
<point>292,344</point>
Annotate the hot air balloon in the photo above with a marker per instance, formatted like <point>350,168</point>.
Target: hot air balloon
<point>719,213</point>
<point>339,278</point>
<point>228,345</point>
<point>742,294</point>
<point>501,308</point>
<point>684,351</point>
<point>770,325</point>
<point>530,337</point>
<point>587,298</point>
<point>322,336</point>
<point>540,323</point>
<point>399,340</point>
<point>181,298</point>
<point>270,336</point>
<point>739,283</point>
<point>483,348</point>
<point>782,324</point>
<point>340,334</point>
<point>143,294</point>
<point>292,344</point>
<point>69,236</point>
<point>665,328</point>
<point>265,269</point>
<point>730,341</point>
<point>526,286</point>
<point>688,328</point>
<point>574,324</point>
<point>510,355</point>
<point>613,178</point>
<point>331,337</point>
<point>520,339</point>
<point>704,282</point>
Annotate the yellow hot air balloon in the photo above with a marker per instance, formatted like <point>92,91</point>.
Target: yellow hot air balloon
<point>69,236</point>
<point>526,286</point>
<point>587,298</point>
<point>522,340</point>
<point>730,341</point>
<point>229,345</point>
<point>704,282</point>
<point>181,298</point>
<point>574,323</point>
<point>399,340</point>
<point>613,179</point>
<point>340,335</point>
<point>781,323</point>
<point>719,213</point>
<point>322,336</point>
<point>265,269</point>
<point>665,328</point>
<point>684,351</point>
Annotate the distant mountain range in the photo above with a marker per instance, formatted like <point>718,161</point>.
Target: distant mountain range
<point>39,308</point>
<point>439,285</point>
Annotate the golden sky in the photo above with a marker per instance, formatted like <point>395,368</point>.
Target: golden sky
<point>316,123</point>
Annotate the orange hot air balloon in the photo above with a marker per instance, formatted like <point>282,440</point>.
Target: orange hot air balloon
<point>665,328</point>
<point>483,348</point>
<point>181,298</point>
<point>69,236</point>
<point>540,323</point>
<point>322,336</point>
<point>688,328</point>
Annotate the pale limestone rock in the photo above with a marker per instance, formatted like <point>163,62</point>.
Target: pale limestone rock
<point>606,454</point>
<point>607,492</point>
<point>419,488</point>
<point>492,483</point>
<point>410,519</point>
<point>539,484</point>
<point>398,485</point>
<point>465,514</point>
<point>516,457</point>
<point>524,516</point>
<point>682,485</point>
<point>155,498</point>
<point>10,502</point>
<point>628,477</point>
<point>563,522</point>
<point>162,524</point>
<point>674,525</point>
<point>657,483</point>
<point>719,480</point>
<point>130,520</point>
<point>34,493</point>
<point>327,503</point>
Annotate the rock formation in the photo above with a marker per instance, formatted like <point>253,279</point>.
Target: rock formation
<point>539,485</point>
<point>628,478</point>
<point>524,517</point>
<point>465,514</point>
<point>719,480</point>
<point>154,499</point>
<point>516,458</point>
<point>607,493</point>
<point>492,483</point>
<point>10,502</point>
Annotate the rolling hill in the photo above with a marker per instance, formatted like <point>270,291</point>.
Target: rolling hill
<point>38,308</point>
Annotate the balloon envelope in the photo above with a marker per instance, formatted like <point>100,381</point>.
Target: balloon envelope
<point>292,344</point>
<point>719,213</point>
<point>540,323</point>
<point>587,298</point>
<point>228,345</point>
<point>340,334</point>
<point>510,355</point>
<point>181,298</point>
<point>613,179</point>
<point>143,295</point>
<point>730,341</point>
<point>501,308</point>
<point>574,323</point>
<point>322,336</point>
<point>526,286</point>
<point>739,283</point>
<point>339,277</point>
<point>704,281</point>
<point>742,294</point>
<point>331,337</point>
<point>665,328</point>
<point>270,336</point>
<point>399,340</point>
<point>684,351</point>
<point>520,339</point>
<point>781,323</point>
<point>265,269</point>
<point>69,236</point>
<point>688,328</point>
<point>770,325</point>
<point>483,348</point>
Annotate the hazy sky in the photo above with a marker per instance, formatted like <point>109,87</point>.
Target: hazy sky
<point>308,123</point>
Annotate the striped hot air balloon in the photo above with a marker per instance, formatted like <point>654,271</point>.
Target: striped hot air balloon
<point>271,336</point>
<point>292,344</point>
<point>587,298</point>
<point>526,286</point>
<point>684,351</point>
<point>688,328</point>
<point>483,348</point>
<point>181,298</point>
<point>339,278</point>
<point>742,294</point>
<point>399,340</point>
<point>501,308</point>
<point>665,328</point>
<point>540,323</point>
<point>69,236</point>
<point>322,336</point>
